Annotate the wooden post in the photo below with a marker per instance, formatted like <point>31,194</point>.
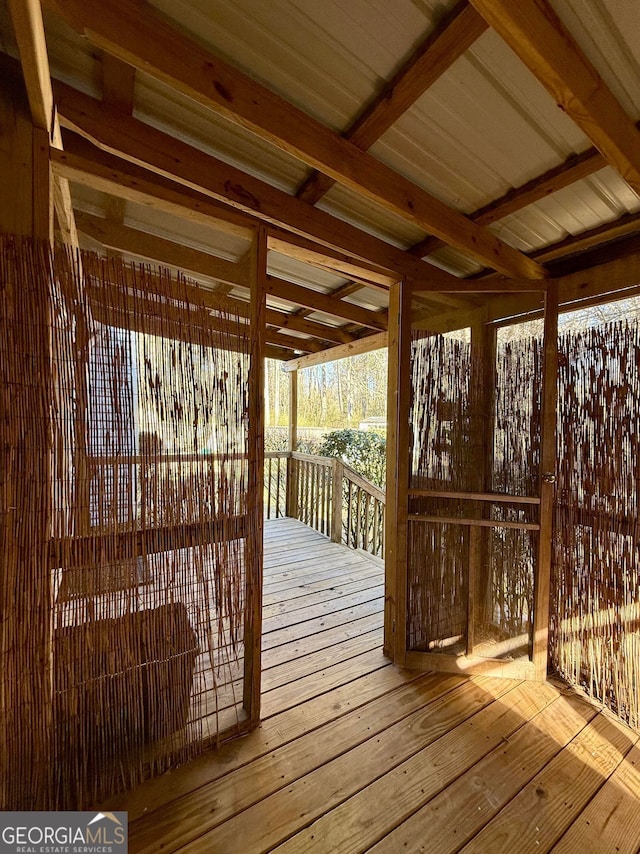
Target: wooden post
<point>291,503</point>
<point>255,497</point>
<point>547,483</point>
<point>337,474</point>
<point>399,392</point>
<point>25,447</point>
<point>292,487</point>
<point>482,400</point>
<point>293,411</point>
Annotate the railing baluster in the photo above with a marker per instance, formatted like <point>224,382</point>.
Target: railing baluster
<point>327,495</point>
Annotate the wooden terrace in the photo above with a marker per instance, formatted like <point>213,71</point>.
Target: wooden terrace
<point>354,754</point>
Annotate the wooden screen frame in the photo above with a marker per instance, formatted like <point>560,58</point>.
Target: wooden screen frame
<point>398,493</point>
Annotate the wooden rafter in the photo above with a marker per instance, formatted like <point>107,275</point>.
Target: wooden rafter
<point>166,156</point>
<point>162,251</point>
<point>456,32</point>
<point>144,245</point>
<point>159,312</point>
<point>135,33</point>
<point>575,168</point>
<point>28,26</point>
<point>363,345</point>
<point>535,33</point>
<point>118,83</point>
<point>325,303</point>
<point>601,234</point>
<point>282,320</point>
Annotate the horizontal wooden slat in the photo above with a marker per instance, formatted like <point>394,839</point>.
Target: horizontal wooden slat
<point>95,549</point>
<point>494,497</point>
<point>477,523</point>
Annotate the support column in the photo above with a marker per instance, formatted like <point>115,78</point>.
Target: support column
<point>481,406</point>
<point>26,754</point>
<point>547,482</point>
<point>291,508</point>
<point>397,500</point>
<point>255,484</point>
<point>293,411</point>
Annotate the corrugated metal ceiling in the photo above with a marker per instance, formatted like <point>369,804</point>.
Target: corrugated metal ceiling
<point>486,125</point>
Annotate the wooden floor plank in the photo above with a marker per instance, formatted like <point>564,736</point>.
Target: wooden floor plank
<point>212,804</point>
<point>336,605</point>
<point>316,683</point>
<point>278,816</point>
<point>611,821</point>
<point>291,671</point>
<point>348,575</point>
<point>310,581</point>
<point>353,753</point>
<point>543,810</point>
<point>322,624</point>
<point>460,811</point>
<point>272,733</point>
<point>336,592</point>
<point>299,647</point>
<point>421,775</point>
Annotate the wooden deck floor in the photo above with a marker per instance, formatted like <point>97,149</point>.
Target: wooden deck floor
<point>357,755</point>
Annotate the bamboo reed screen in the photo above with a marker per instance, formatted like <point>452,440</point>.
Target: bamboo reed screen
<point>472,431</point>
<point>595,627</point>
<point>133,602</point>
<point>440,441</point>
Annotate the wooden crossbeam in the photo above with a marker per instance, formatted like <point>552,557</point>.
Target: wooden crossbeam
<point>136,33</point>
<point>109,175</point>
<point>536,34</point>
<point>315,332</point>
<point>28,26</point>
<point>118,83</point>
<point>343,351</point>
<point>135,242</point>
<point>325,303</point>
<point>159,317</point>
<point>449,40</point>
<point>574,168</point>
<point>283,320</point>
<point>293,220</point>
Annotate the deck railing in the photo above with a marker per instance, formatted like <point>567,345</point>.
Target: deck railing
<point>324,493</point>
<point>327,495</point>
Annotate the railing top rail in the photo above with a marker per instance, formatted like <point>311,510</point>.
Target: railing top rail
<point>349,473</point>
<point>312,458</point>
<point>363,483</point>
<point>160,459</point>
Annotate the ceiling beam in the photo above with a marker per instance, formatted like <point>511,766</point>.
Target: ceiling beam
<point>325,303</point>
<point>134,32</point>
<point>149,308</point>
<point>118,83</point>
<point>28,27</point>
<point>455,33</point>
<point>139,143</point>
<point>362,345</point>
<point>329,260</point>
<point>132,241</point>
<point>82,162</point>
<point>194,261</point>
<point>621,227</point>
<point>283,320</point>
<point>535,33</point>
<point>613,280</point>
<point>574,168</point>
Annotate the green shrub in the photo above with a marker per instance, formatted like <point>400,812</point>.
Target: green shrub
<point>364,450</point>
